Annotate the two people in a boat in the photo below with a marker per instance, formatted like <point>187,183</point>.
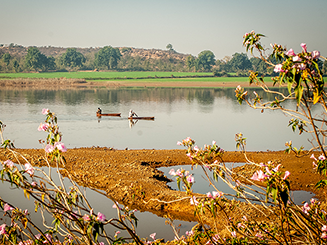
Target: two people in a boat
<point>131,113</point>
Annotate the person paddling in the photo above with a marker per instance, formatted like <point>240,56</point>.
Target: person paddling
<point>132,113</point>
<point>99,111</point>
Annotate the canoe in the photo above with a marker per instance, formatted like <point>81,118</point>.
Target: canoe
<point>109,114</point>
<point>141,118</point>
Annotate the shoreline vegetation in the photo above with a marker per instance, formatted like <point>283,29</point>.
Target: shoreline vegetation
<point>64,80</point>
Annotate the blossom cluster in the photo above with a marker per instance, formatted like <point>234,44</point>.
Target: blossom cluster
<point>269,173</point>
<point>89,217</point>
<point>10,165</point>
<point>185,176</point>
<point>186,142</point>
<point>49,126</point>
<point>300,62</point>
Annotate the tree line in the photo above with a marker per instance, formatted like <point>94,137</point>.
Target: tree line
<point>109,58</point>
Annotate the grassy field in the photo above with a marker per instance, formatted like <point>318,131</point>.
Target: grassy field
<point>130,76</point>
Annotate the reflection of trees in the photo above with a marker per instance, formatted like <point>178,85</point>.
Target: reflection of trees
<point>204,96</point>
<point>38,96</point>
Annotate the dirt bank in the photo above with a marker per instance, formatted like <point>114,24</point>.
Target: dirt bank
<point>64,83</point>
<point>131,176</point>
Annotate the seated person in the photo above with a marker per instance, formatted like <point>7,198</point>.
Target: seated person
<point>132,113</point>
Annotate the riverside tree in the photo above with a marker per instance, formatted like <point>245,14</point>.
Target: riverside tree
<point>35,60</point>
<point>205,60</point>
<point>72,58</point>
<point>107,57</point>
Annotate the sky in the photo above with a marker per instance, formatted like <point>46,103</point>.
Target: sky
<point>190,26</point>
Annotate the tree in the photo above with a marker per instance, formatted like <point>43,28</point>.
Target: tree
<point>206,59</point>
<point>71,58</point>
<point>190,62</point>
<point>240,62</point>
<point>34,59</point>
<point>107,57</point>
<point>170,47</point>
<point>15,65</point>
<point>258,65</point>
<point>6,58</point>
<point>51,64</point>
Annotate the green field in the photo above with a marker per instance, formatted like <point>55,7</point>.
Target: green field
<point>130,76</point>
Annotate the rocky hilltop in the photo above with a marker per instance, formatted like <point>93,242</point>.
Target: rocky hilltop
<point>20,51</point>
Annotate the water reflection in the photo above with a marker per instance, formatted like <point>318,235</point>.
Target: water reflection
<point>205,96</point>
<point>204,114</point>
<point>148,223</point>
<point>203,186</point>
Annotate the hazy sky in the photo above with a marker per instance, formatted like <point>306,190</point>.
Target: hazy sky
<point>190,26</point>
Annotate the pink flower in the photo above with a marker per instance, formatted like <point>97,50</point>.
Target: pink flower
<point>209,195</point>
<point>277,168</point>
<point>233,233</point>
<point>7,207</point>
<point>190,156</point>
<point>322,157</point>
<point>9,164</point>
<point>324,228</point>
<point>3,229</point>
<point>43,127</point>
<point>304,47</point>
<point>216,194</point>
<point>49,238</point>
<point>60,146</point>
<point>214,142</point>
<point>179,173</point>
<point>172,172</point>
<point>287,173</point>
<point>190,179</point>
<point>193,201</point>
<point>33,184</point>
<point>115,206</point>
<point>189,233</point>
<point>29,169</point>
<point>179,143</point>
<point>296,59</point>
<point>290,53</point>
<point>278,68</point>
<point>259,176</point>
<point>153,236</point>
<point>116,234</point>
<point>196,148</point>
<point>306,208</point>
<point>268,171</point>
<point>86,217</point>
<point>45,111</point>
<point>101,217</point>
<point>324,235</point>
<point>49,148</point>
<point>315,54</point>
<point>302,66</point>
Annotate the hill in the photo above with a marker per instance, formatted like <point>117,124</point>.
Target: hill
<point>21,51</point>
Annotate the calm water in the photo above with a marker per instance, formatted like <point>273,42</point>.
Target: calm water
<point>203,114</point>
